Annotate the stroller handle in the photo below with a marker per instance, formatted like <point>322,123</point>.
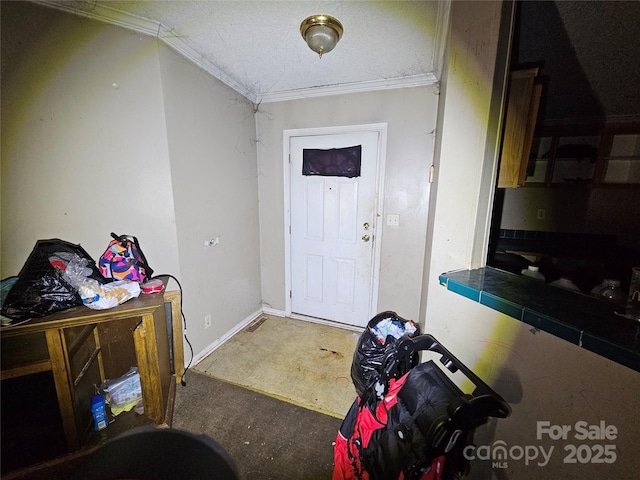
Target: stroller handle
<point>483,395</point>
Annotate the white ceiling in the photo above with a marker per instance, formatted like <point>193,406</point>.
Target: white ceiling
<point>255,46</point>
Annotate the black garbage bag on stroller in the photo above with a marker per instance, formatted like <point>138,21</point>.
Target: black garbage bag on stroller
<point>410,421</point>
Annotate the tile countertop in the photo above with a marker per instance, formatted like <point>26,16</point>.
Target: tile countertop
<point>585,321</point>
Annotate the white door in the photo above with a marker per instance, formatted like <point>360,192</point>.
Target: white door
<point>333,232</point>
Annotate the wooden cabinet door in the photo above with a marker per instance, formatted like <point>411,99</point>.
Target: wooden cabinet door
<point>522,110</point>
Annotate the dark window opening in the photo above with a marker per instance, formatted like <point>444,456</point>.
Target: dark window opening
<point>333,162</point>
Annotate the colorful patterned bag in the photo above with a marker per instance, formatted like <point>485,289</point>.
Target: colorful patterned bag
<point>124,260</point>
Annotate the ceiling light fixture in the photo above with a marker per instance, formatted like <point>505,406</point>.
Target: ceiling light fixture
<point>321,32</point>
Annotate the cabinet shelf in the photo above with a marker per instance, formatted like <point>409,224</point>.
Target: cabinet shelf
<point>78,341</point>
<point>86,366</point>
<point>579,157</point>
<point>36,367</point>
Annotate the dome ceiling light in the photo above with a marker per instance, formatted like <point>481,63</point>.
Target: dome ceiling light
<point>321,32</point>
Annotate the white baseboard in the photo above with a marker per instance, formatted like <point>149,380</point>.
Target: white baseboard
<point>222,339</point>
<point>272,311</point>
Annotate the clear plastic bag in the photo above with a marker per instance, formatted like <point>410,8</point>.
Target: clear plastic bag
<point>77,271</point>
<point>96,295</point>
<point>123,393</point>
<point>77,274</point>
<point>101,297</point>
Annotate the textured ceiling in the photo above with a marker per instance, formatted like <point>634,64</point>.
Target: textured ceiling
<point>587,50</point>
<point>256,46</point>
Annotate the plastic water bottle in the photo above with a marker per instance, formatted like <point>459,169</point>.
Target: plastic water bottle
<point>533,271</point>
<point>100,420</point>
<point>611,291</point>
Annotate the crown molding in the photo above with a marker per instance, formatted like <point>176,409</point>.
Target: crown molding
<point>356,87</point>
<point>104,14</point>
<point>190,53</point>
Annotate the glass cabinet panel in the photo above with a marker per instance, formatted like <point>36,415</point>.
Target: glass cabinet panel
<point>623,162</point>
<point>539,160</point>
<point>575,160</point>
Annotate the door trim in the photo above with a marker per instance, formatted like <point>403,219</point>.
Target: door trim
<point>381,129</point>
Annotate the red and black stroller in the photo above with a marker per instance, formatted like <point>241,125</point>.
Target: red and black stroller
<point>410,421</point>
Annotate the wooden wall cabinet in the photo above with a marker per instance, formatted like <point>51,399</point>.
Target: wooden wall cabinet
<point>578,156</point>
<point>520,120</point>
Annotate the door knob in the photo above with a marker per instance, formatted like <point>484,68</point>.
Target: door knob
<point>365,238</point>
<point>366,225</point>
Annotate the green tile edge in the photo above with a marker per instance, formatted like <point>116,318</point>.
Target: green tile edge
<point>464,290</point>
<point>547,324</point>
<point>501,305</point>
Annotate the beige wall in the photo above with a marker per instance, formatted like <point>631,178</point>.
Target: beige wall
<point>574,210</point>
<point>410,114</point>
<point>80,157</point>
<point>168,155</point>
<point>543,377</point>
<point>454,220</point>
<point>212,152</point>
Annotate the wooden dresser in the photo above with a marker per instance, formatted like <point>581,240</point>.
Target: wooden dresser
<point>83,347</point>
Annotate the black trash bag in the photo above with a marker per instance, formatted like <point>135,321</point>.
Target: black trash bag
<point>41,288</point>
<point>372,348</point>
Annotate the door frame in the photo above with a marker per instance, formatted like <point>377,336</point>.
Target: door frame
<point>381,130</point>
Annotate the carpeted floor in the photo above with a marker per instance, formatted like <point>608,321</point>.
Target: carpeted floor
<point>273,397</point>
<point>267,438</point>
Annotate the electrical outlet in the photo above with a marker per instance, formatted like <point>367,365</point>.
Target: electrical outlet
<point>207,321</point>
<point>393,220</point>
